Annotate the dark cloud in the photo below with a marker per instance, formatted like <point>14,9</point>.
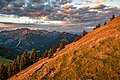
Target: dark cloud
<point>58,10</point>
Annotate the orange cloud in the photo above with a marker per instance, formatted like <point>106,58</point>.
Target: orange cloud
<point>97,1</point>
<point>67,6</point>
<point>85,7</point>
<point>98,6</point>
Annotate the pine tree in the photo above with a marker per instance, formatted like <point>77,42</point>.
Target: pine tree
<point>85,32</point>
<point>18,60</point>
<point>33,56</point>
<point>105,23</point>
<point>97,26</point>
<point>18,63</point>
<point>9,71</point>
<point>54,49</point>
<point>50,53</point>
<point>24,62</point>
<point>21,65</point>
<point>113,16</point>
<point>45,54</point>
<point>14,68</point>
<point>3,73</point>
<point>62,45</point>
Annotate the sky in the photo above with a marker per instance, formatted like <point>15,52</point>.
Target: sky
<point>115,3</point>
<point>86,12</point>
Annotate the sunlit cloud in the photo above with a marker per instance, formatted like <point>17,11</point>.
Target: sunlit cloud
<point>99,6</point>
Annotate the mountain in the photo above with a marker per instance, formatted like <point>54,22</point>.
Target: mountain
<point>95,56</point>
<point>26,39</point>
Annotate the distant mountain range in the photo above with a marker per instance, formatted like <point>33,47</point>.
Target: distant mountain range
<point>26,39</point>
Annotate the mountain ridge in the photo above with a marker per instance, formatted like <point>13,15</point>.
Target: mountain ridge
<point>26,39</point>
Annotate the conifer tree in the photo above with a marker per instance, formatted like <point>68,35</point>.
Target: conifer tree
<point>97,26</point>
<point>24,62</point>
<point>50,53</point>
<point>18,59</point>
<point>62,45</point>
<point>14,68</point>
<point>9,71</point>
<point>33,56</point>
<point>3,73</point>
<point>54,49</point>
<point>113,16</point>
<point>21,65</point>
<point>105,23</point>
<point>45,54</point>
<point>18,63</point>
<point>85,32</point>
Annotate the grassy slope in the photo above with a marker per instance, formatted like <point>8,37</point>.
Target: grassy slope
<point>95,56</point>
<point>5,61</point>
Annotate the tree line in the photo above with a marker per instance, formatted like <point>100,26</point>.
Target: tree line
<point>20,63</point>
<point>97,26</point>
<point>25,60</point>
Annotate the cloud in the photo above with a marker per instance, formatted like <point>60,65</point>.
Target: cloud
<point>8,7</point>
<point>94,1</point>
<point>59,10</point>
<point>67,6</point>
<point>99,6</point>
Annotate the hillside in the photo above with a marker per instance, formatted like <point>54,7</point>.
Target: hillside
<point>5,61</point>
<point>7,53</point>
<point>95,56</point>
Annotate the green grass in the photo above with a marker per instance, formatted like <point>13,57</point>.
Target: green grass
<point>5,61</point>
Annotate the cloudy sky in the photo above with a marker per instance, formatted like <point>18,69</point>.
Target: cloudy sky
<point>86,12</point>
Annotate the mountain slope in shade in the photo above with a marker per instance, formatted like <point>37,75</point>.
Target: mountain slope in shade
<point>26,39</point>
<point>95,56</point>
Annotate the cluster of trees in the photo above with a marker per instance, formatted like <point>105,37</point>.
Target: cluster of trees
<point>20,63</point>
<point>25,60</point>
<point>49,53</point>
<point>97,26</point>
<point>77,38</point>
